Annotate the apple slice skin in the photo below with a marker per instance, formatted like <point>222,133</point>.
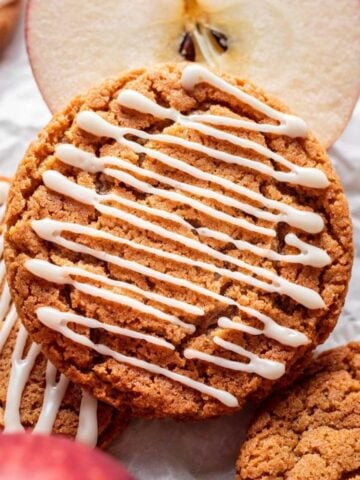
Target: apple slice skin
<point>313,68</point>
<point>38,457</point>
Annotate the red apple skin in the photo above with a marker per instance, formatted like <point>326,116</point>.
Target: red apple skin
<point>37,457</point>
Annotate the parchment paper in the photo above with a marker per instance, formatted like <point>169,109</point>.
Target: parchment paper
<point>166,450</point>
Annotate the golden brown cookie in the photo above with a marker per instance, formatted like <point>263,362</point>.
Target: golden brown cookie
<point>177,242</point>
<point>311,430</point>
<point>9,12</point>
<point>33,395</point>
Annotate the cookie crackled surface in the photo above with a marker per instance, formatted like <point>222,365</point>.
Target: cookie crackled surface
<point>177,242</point>
<point>311,430</point>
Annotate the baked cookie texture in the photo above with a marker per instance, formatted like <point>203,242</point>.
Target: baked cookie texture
<point>33,395</point>
<point>9,13</point>
<point>134,258</point>
<point>311,430</point>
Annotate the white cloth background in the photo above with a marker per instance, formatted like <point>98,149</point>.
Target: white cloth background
<point>166,450</point>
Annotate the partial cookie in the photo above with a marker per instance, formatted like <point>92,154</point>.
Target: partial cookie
<point>311,430</point>
<point>177,242</point>
<point>9,12</point>
<point>33,395</point>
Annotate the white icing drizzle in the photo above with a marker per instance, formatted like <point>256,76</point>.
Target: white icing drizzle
<point>54,391</point>
<point>62,275</point>
<point>21,368</point>
<point>53,396</point>
<point>7,325</point>
<point>308,221</point>
<point>148,188</point>
<point>53,236</point>
<point>88,425</point>
<point>19,375</point>
<point>110,204</point>
<point>284,335</point>
<point>305,176</point>
<point>8,314</point>
<point>51,230</point>
<point>92,323</point>
<point>262,366</point>
<point>307,297</point>
<point>310,255</point>
<point>57,321</point>
<point>291,125</point>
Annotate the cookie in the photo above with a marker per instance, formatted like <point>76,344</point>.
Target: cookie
<point>312,430</point>
<point>9,12</point>
<point>177,242</point>
<point>32,393</point>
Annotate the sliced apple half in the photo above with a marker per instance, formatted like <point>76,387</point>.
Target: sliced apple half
<point>307,53</point>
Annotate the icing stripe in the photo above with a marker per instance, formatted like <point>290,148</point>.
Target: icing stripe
<point>50,235</point>
<point>284,335</point>
<point>62,275</point>
<point>83,160</point>
<point>92,323</point>
<point>194,74</point>
<point>309,254</point>
<point>53,397</point>
<point>90,163</point>
<point>7,325</point>
<point>19,376</point>
<point>303,295</point>
<point>305,220</point>
<point>55,320</point>
<point>53,231</point>
<point>309,177</point>
<point>88,424</point>
<point>264,367</point>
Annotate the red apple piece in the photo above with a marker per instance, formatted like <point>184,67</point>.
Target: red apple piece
<point>38,457</point>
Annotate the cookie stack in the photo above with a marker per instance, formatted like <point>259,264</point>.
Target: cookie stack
<point>177,245</point>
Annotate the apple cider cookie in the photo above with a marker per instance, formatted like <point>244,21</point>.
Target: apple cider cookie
<point>312,430</point>
<point>177,242</point>
<point>33,395</point>
<point>9,12</point>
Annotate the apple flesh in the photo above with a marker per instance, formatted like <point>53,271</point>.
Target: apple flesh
<point>37,457</point>
<point>306,53</point>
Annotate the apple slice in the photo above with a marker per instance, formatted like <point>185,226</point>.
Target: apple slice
<point>306,53</point>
